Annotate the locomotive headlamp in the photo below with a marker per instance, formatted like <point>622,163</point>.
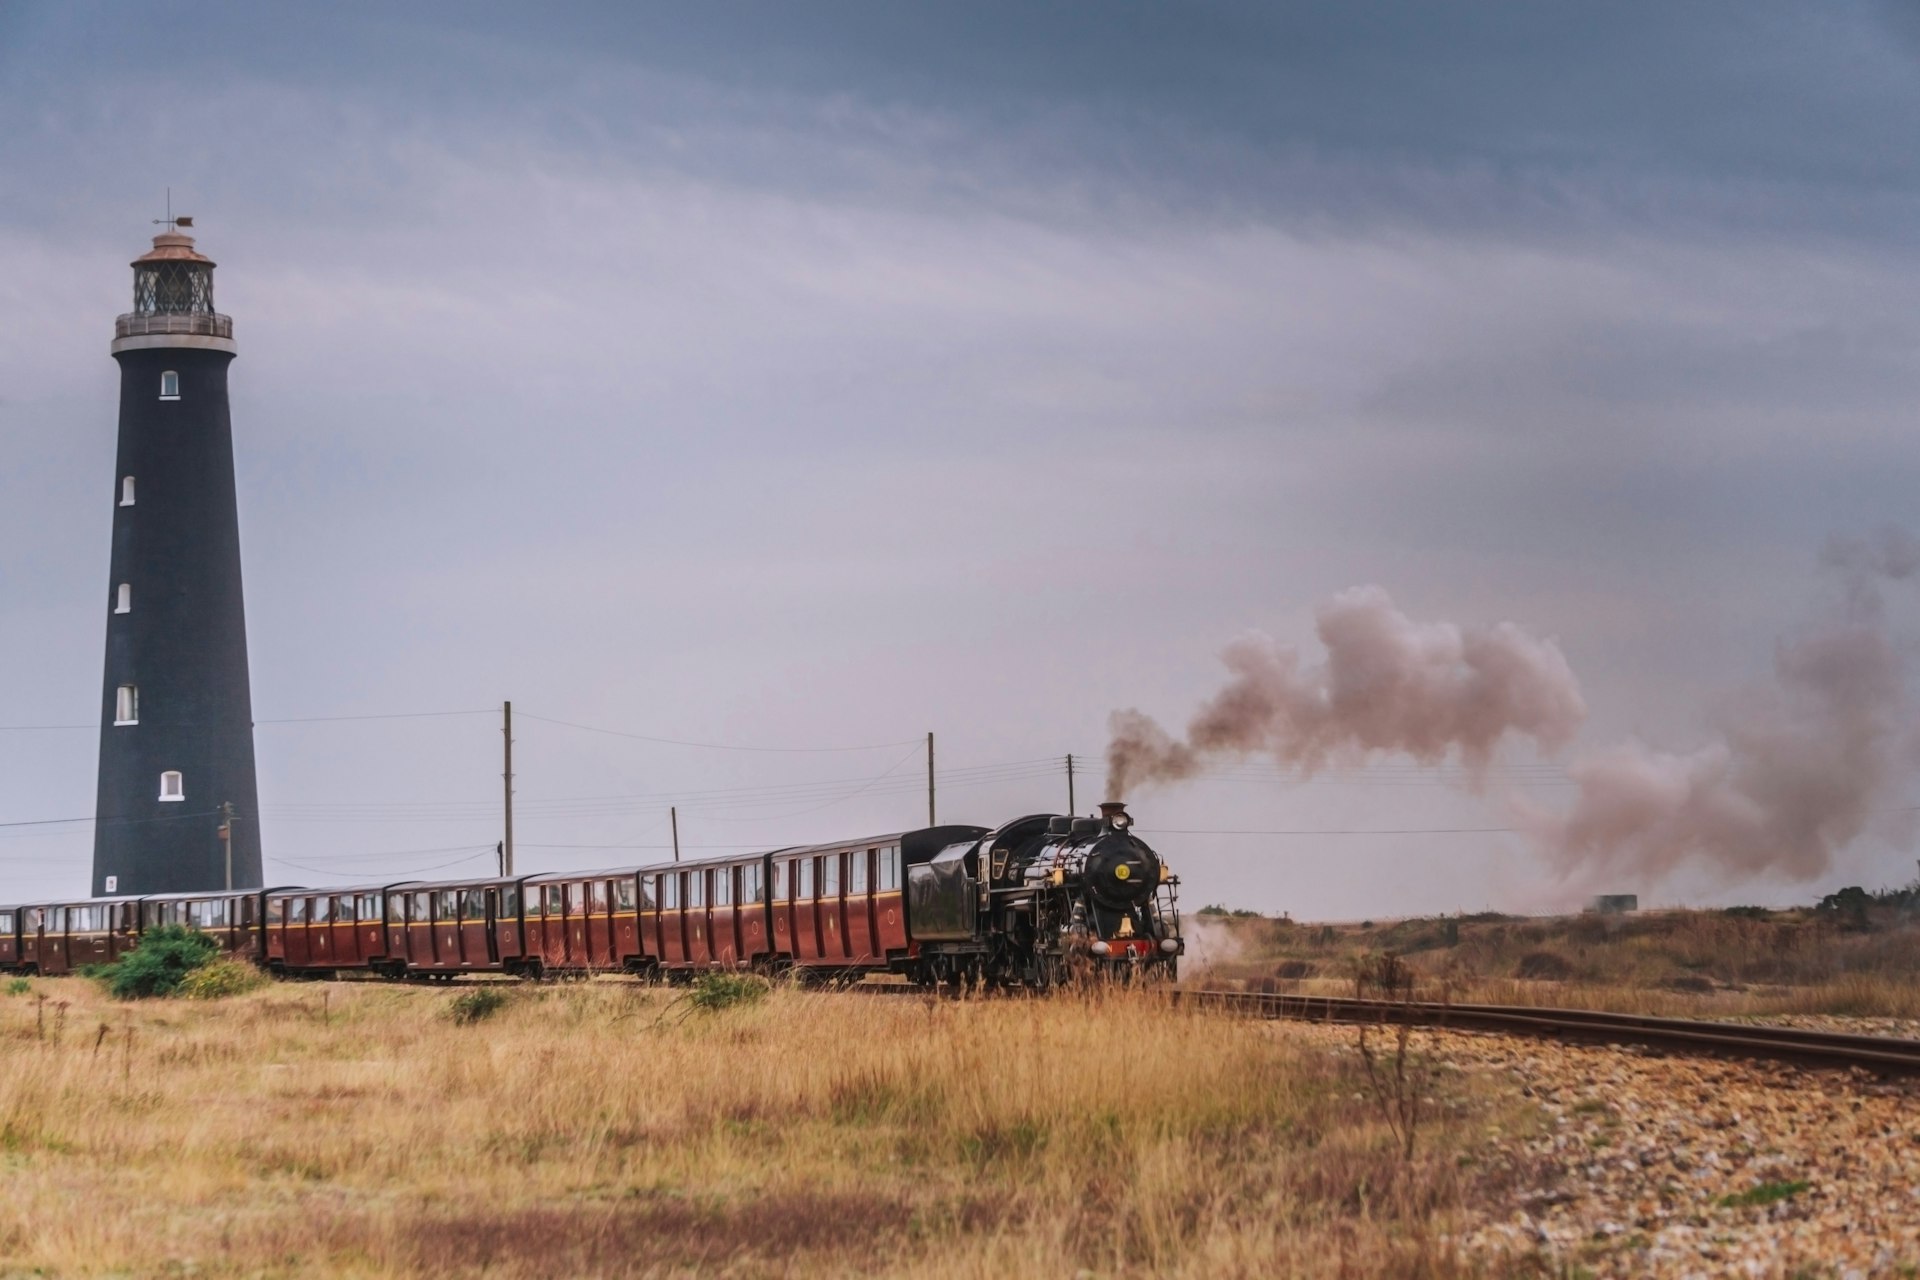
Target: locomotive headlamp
<point>1169,945</point>
<point>1121,821</point>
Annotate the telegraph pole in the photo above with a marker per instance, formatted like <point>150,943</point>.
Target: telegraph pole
<point>506,732</point>
<point>226,838</point>
<point>673,816</point>
<point>1070,808</point>
<point>930,821</point>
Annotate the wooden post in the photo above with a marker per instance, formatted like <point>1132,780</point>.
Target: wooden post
<point>930,819</point>
<point>226,838</point>
<point>506,732</point>
<point>1070,808</point>
<point>673,816</point>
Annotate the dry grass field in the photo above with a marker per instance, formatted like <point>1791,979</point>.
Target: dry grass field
<point>1743,962</point>
<point>604,1128</point>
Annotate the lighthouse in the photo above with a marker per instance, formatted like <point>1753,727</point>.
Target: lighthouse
<point>177,808</point>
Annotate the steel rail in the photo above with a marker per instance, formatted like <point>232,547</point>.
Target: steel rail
<point>1741,1040</point>
<point>1831,1049</point>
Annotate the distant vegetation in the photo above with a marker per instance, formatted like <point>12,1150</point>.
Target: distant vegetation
<point>1853,952</point>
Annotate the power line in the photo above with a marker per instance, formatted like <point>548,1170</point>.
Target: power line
<point>710,746</point>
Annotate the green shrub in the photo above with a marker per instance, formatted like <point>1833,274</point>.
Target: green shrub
<point>159,964</point>
<point>476,1005</point>
<point>19,987</point>
<point>222,978</point>
<point>716,991</point>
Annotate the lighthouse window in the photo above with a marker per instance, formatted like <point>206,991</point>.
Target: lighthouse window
<point>126,491</point>
<point>123,598</point>
<point>126,705</point>
<point>170,385</point>
<point>172,787</point>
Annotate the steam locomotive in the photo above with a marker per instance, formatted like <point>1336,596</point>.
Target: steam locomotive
<point>1040,901</point>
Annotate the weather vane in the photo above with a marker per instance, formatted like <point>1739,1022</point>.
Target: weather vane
<point>170,222</point>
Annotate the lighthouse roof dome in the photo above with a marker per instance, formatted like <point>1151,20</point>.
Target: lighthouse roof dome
<point>172,246</point>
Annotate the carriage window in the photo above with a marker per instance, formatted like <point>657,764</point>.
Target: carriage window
<point>422,907</point>
<point>296,910</point>
<point>343,909</point>
<point>57,920</point>
<point>805,890</point>
<point>246,910</point>
<point>368,908</point>
<point>170,385</point>
<point>553,899</point>
<point>623,895</point>
<point>830,876</point>
<point>446,903</point>
<point>780,874</point>
<point>576,898</point>
<point>474,904</point>
<point>723,887</point>
<point>670,899</point>
<point>6,922</point>
<point>858,884</point>
<point>510,902</point>
<point>276,910</point>
<point>35,918</point>
<point>598,892</point>
<point>890,868</point>
<point>397,908</point>
<point>322,910</point>
<point>649,892</point>
<point>697,889</point>
<point>754,882</point>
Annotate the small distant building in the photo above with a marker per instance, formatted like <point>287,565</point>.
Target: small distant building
<point>1614,904</point>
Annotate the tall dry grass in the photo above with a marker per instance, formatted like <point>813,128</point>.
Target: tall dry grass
<point>604,1129</point>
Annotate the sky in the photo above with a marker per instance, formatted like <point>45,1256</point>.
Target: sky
<point>795,377</point>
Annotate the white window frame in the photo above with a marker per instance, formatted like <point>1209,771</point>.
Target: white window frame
<point>173,786</point>
<point>123,598</point>
<point>126,491</point>
<point>126,704</point>
<point>170,378</point>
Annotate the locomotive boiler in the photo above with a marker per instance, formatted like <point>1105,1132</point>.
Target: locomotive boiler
<point>1043,900</point>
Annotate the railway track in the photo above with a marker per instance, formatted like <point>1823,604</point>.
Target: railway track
<point>1782,1044</point>
<point>1884,1054</point>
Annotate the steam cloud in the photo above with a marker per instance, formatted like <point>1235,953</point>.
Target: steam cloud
<point>1794,773</point>
<point>1388,684</point>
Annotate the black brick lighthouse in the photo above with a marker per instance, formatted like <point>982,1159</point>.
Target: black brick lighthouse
<point>176,734</point>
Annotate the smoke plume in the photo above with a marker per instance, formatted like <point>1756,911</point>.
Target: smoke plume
<point>1792,773</point>
<point>1389,684</point>
<point>1795,773</point>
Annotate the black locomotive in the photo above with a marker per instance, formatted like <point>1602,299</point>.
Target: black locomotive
<point>1044,900</point>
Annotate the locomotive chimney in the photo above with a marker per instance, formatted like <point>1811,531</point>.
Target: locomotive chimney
<point>1114,814</point>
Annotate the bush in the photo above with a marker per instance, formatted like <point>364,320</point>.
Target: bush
<point>222,978</point>
<point>476,1005</point>
<point>19,987</point>
<point>717,991</point>
<point>1545,966</point>
<point>159,964</point>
